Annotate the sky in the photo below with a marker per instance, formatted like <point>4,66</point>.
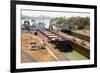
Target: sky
<point>54,13</point>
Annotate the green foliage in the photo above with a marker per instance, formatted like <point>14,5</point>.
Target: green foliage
<point>60,20</point>
<point>83,23</point>
<point>80,22</point>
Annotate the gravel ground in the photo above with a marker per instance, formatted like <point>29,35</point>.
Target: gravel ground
<point>25,58</point>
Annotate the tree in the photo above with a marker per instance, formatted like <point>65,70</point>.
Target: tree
<point>84,22</point>
<point>80,22</point>
<point>60,20</point>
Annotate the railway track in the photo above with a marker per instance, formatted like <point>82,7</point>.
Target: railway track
<point>51,35</point>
